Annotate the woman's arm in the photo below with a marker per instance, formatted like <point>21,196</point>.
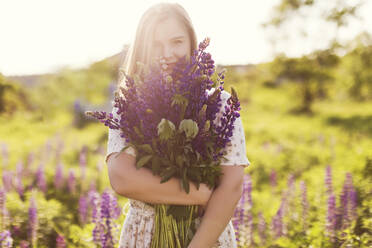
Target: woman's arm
<point>220,207</point>
<point>141,184</point>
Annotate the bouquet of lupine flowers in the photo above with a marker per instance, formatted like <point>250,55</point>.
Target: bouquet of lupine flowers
<point>170,119</point>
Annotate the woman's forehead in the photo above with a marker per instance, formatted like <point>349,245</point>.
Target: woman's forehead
<point>169,29</point>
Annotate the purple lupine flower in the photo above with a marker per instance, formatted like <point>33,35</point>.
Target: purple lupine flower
<point>8,180</point>
<point>304,204</point>
<point>328,180</point>
<point>71,182</point>
<point>19,170</point>
<point>40,178</point>
<point>32,221</point>
<point>83,207</point>
<point>353,198</point>
<point>105,211</point>
<point>24,244</point>
<point>348,201</point>
<point>331,217</point>
<point>16,230</point>
<point>58,178</point>
<point>19,187</point>
<point>249,227</point>
<point>261,227</point>
<point>3,211</point>
<point>60,241</point>
<point>273,178</point>
<point>277,222</point>
<point>106,215</point>
<point>6,240</point>
<point>94,199</point>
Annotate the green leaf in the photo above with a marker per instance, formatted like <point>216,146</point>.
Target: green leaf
<point>138,132</point>
<point>167,174</point>
<point>185,182</point>
<point>155,166</point>
<point>189,127</point>
<point>207,125</point>
<point>143,161</point>
<point>179,160</point>
<point>146,148</point>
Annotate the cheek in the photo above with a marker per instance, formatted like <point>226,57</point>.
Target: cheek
<point>182,50</point>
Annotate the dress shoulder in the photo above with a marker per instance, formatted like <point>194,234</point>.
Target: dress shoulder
<point>114,142</point>
<point>236,149</point>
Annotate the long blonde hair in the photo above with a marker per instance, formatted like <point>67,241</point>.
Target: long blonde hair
<point>139,50</point>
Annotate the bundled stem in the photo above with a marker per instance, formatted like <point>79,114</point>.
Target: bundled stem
<point>171,231</point>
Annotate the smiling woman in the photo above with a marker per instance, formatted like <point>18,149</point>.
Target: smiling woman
<point>165,32</point>
<point>171,42</point>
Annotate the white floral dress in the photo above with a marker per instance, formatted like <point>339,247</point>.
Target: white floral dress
<point>138,225</point>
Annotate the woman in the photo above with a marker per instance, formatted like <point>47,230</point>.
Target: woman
<point>165,31</point>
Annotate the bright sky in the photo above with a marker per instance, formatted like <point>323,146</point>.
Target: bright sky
<point>41,36</point>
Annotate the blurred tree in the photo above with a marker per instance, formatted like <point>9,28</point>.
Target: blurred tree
<point>313,71</point>
<point>360,67</point>
<point>310,73</point>
<point>12,97</point>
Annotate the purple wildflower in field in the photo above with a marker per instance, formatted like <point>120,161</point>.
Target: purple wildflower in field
<point>19,169</point>
<point>348,202</point>
<point>273,178</point>
<point>261,226</point>
<point>58,177</point>
<point>4,215</point>
<point>304,204</point>
<point>60,241</point>
<point>7,180</point>
<point>32,221</point>
<point>331,217</point>
<point>19,187</point>
<point>83,209</point>
<point>6,240</point>
<point>71,181</point>
<point>109,212</point>
<point>40,178</point>
<point>24,244</point>
<point>328,180</point>
<point>277,222</point>
<point>105,211</point>
<point>94,199</point>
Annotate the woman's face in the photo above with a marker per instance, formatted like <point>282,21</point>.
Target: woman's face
<point>171,42</point>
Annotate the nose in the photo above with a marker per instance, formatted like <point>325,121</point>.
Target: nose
<point>168,53</point>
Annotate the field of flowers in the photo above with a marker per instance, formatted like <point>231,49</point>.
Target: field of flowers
<point>308,185</point>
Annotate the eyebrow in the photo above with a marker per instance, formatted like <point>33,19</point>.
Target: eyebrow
<point>178,37</point>
<point>174,38</point>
